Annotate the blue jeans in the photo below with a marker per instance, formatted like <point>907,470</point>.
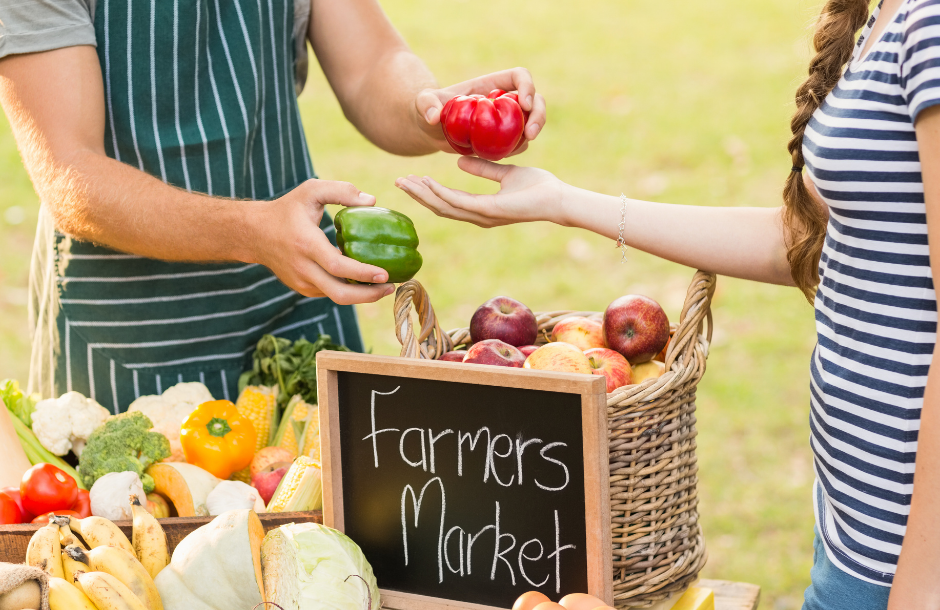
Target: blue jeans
<point>833,589</point>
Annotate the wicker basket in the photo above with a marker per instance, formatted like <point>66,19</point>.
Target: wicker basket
<point>658,548</point>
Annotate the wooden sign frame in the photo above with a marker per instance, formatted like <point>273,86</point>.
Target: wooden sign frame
<point>593,393</point>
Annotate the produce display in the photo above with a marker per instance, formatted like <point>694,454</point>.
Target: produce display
<point>218,438</point>
<point>628,346</point>
<point>124,442</point>
<point>381,237</point>
<point>169,410</point>
<point>217,566</point>
<point>313,567</point>
<point>489,127</point>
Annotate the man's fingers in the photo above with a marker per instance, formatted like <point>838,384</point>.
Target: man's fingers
<point>341,292</point>
<point>483,168</point>
<point>337,265</point>
<point>523,84</point>
<point>429,105</point>
<point>331,192</point>
<point>537,118</point>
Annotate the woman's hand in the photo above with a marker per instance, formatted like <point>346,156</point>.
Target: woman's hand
<point>526,194</point>
<point>430,102</point>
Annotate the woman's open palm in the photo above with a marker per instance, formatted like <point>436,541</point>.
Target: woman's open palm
<point>526,194</point>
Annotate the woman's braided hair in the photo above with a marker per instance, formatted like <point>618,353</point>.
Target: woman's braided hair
<point>804,219</point>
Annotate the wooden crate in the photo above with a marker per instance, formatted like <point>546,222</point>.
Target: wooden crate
<point>15,538</point>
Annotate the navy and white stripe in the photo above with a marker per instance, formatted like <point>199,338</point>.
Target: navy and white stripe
<point>876,309</point>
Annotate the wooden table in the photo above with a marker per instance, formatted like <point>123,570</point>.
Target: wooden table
<point>728,595</point>
<point>733,595</point>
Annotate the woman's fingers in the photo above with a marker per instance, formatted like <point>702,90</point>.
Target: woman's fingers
<point>483,168</point>
<point>422,193</point>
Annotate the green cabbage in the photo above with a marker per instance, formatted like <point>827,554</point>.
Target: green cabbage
<point>308,566</point>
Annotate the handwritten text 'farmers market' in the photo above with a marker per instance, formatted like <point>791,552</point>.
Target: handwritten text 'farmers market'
<point>455,546</point>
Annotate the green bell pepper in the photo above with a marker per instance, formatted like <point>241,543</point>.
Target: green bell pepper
<point>381,237</point>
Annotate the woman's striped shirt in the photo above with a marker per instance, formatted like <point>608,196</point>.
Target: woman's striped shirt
<point>876,310</point>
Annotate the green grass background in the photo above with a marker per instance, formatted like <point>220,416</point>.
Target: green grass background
<point>677,101</point>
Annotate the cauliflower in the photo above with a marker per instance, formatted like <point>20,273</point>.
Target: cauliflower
<point>170,410</point>
<point>63,424</point>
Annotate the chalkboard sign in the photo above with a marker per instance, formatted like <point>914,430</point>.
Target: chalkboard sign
<point>467,485</point>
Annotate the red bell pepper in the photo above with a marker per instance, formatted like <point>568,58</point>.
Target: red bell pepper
<point>489,127</point>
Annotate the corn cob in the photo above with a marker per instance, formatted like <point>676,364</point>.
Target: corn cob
<point>291,431</point>
<point>311,445</point>
<point>259,404</point>
<point>300,489</point>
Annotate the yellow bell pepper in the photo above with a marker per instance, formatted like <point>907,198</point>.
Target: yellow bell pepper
<point>217,438</point>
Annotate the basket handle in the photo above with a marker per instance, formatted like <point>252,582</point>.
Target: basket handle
<point>432,342</point>
<point>696,318</point>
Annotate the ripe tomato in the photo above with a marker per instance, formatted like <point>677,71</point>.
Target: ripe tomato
<point>14,492</point>
<point>9,511</point>
<point>82,504</point>
<point>61,513</point>
<point>45,488</point>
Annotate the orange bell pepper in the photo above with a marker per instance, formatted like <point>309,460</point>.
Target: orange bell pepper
<point>217,438</point>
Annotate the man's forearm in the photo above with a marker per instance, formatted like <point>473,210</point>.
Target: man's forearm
<point>383,108</point>
<point>98,199</point>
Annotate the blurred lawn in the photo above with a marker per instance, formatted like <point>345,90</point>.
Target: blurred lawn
<point>680,101</point>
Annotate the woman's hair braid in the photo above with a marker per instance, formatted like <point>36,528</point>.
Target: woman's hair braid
<point>804,219</point>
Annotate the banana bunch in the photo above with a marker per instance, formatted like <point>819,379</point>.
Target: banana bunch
<point>93,566</point>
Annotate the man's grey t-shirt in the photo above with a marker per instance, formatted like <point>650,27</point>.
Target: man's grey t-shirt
<point>31,26</point>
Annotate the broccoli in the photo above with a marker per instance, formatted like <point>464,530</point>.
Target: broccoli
<point>123,443</point>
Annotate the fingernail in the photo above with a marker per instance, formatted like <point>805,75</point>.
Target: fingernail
<point>534,130</point>
<point>528,101</point>
<point>390,290</point>
<point>378,278</point>
<point>426,180</point>
<point>364,196</point>
<point>427,115</point>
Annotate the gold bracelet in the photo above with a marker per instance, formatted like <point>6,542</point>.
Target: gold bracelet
<point>623,224</point>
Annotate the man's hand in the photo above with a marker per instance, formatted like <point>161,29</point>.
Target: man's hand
<point>55,103</point>
<point>287,239</point>
<point>430,102</point>
<point>386,91</point>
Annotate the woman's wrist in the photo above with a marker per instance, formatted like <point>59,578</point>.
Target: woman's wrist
<point>566,208</point>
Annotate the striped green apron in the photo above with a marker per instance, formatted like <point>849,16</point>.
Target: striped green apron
<point>201,94</point>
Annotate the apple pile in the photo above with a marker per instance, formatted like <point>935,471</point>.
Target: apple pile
<point>627,347</point>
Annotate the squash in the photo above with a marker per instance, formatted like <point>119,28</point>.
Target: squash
<point>217,566</point>
<point>185,485</point>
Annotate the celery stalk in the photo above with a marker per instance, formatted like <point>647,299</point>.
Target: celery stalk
<point>38,454</point>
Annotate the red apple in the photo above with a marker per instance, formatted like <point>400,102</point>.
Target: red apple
<point>267,456</point>
<point>495,352</point>
<point>637,327</point>
<point>559,357</point>
<point>583,333</point>
<point>661,356</point>
<point>528,349</point>
<point>611,365</point>
<point>505,319</point>
<point>267,480</point>
<point>454,356</point>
